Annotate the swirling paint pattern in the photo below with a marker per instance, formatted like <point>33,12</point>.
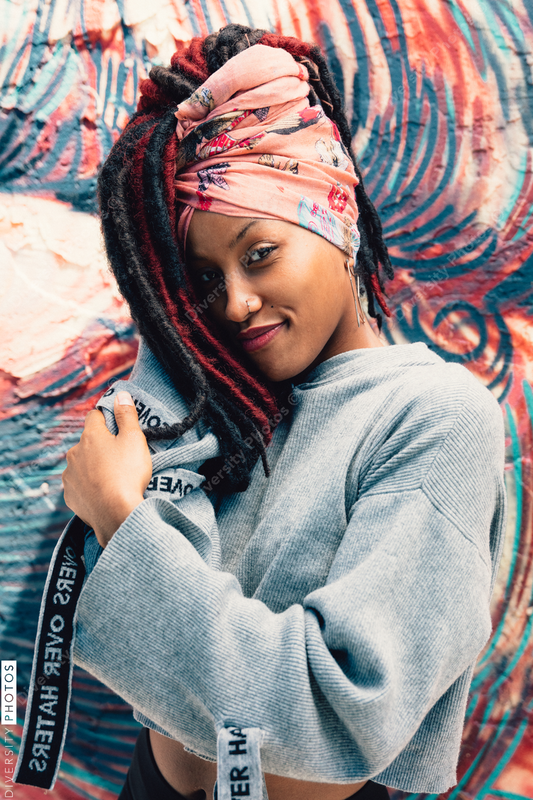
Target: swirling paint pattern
<point>440,99</point>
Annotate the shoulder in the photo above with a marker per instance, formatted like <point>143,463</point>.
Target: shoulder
<point>447,395</point>
<point>466,477</point>
<point>414,392</point>
<point>437,429</point>
<point>453,425</point>
<point>430,425</point>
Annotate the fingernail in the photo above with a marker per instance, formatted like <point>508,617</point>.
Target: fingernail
<point>124,399</point>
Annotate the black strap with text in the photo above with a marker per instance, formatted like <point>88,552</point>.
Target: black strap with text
<point>45,725</point>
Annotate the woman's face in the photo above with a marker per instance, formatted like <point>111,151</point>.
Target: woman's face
<point>300,308</point>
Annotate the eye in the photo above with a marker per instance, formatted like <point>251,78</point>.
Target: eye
<point>252,256</point>
<point>208,276</point>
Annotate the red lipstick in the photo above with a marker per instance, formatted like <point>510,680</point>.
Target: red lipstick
<point>254,338</point>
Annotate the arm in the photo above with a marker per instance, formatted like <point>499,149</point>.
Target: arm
<point>355,668</point>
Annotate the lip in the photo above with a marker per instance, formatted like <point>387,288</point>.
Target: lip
<point>252,333</point>
<point>254,338</point>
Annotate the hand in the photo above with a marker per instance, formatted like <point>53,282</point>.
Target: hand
<point>106,475</point>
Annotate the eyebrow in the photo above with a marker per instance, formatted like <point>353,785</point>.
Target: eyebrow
<point>233,243</point>
<point>241,233</point>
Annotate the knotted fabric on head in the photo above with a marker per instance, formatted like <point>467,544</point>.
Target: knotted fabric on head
<point>252,146</point>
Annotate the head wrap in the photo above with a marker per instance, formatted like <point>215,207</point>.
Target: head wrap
<point>252,146</point>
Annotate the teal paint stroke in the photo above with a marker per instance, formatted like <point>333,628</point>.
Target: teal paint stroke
<point>518,482</point>
<point>41,86</point>
<point>522,174</point>
<point>483,751</point>
<point>509,753</point>
<point>462,24</point>
<point>70,74</point>
<point>493,25</point>
<point>518,654</point>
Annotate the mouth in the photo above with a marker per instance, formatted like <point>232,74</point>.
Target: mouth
<point>254,338</point>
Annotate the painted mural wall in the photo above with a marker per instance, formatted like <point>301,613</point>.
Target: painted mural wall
<point>440,99</point>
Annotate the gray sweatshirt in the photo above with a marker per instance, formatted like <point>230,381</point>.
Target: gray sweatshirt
<point>336,608</point>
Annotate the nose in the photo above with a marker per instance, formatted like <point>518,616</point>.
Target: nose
<point>240,299</point>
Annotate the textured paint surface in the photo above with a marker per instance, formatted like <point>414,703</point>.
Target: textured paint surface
<point>440,98</point>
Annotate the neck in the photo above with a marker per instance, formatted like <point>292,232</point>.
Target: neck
<point>361,337</point>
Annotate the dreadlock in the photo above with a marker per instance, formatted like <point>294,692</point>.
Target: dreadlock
<point>139,222</point>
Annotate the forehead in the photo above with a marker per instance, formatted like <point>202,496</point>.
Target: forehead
<point>205,225</point>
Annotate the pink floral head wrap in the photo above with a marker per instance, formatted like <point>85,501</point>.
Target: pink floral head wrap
<point>252,146</point>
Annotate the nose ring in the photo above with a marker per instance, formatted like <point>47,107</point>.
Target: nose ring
<point>248,304</point>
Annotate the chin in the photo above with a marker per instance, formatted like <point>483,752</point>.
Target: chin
<point>280,365</point>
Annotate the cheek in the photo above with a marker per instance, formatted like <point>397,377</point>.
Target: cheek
<point>319,298</point>
<point>212,303</point>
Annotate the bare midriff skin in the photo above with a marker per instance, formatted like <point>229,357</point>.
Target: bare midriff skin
<point>194,777</point>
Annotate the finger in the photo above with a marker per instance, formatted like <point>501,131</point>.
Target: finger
<point>125,413</point>
<point>94,419</point>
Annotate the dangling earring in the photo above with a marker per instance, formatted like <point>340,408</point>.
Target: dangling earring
<point>359,299</point>
<point>356,275</point>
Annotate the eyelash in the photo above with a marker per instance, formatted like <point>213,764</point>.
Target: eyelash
<point>267,249</point>
<point>246,260</point>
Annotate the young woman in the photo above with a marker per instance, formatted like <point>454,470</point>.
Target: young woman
<point>329,619</point>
